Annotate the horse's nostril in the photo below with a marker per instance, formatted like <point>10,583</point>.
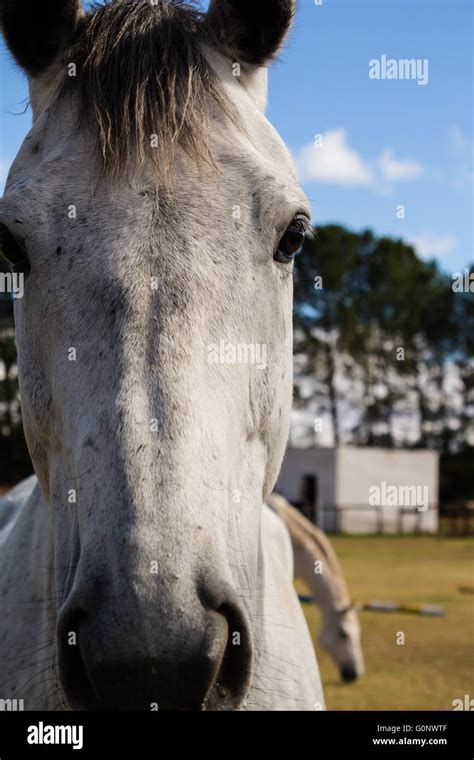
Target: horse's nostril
<point>73,675</point>
<point>233,679</point>
<point>210,670</point>
<point>348,673</point>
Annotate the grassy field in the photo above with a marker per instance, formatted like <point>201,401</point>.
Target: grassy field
<point>436,664</point>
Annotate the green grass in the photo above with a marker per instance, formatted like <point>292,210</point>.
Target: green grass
<point>436,664</point>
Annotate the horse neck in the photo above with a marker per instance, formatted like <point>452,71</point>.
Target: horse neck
<point>311,547</point>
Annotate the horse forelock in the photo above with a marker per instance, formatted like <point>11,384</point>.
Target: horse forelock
<point>143,82</point>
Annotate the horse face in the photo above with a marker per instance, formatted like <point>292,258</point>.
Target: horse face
<point>341,637</point>
<point>154,342</point>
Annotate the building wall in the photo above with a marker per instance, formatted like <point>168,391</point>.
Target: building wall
<point>311,461</point>
<point>345,476</point>
<point>358,469</point>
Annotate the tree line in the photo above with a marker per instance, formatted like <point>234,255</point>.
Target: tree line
<point>387,340</point>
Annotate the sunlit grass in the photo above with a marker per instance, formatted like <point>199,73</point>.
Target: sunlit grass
<point>436,664</point>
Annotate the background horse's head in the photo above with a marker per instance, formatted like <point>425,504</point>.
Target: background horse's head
<point>155,214</point>
<point>316,563</point>
<point>340,636</point>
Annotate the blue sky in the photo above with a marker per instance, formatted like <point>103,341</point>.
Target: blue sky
<point>384,143</point>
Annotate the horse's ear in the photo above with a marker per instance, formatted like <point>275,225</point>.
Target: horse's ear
<point>37,31</point>
<point>251,30</point>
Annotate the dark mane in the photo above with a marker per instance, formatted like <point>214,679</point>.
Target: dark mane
<point>141,73</point>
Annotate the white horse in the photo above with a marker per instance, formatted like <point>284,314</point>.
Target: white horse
<point>316,563</point>
<point>155,214</point>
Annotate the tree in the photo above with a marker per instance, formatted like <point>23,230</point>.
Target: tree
<point>370,313</point>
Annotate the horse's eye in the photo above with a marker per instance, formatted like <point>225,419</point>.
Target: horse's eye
<point>343,634</point>
<point>292,241</point>
<point>13,252</point>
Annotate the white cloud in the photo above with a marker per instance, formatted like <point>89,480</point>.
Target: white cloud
<point>394,170</point>
<point>430,244</point>
<point>333,160</point>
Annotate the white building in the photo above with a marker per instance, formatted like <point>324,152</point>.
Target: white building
<point>363,490</point>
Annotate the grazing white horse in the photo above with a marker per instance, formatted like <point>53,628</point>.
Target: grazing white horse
<point>316,563</point>
<point>155,214</point>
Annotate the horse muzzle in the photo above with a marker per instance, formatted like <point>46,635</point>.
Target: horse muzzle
<point>154,658</point>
